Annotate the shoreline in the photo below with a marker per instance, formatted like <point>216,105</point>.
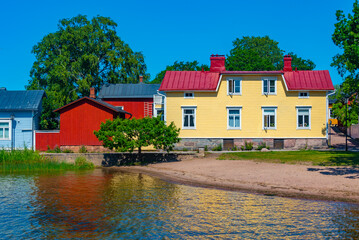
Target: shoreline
<point>271,179</point>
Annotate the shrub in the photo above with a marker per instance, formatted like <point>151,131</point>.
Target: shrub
<point>248,145</point>
<point>82,163</point>
<point>242,147</point>
<point>206,148</point>
<point>217,148</point>
<point>82,149</point>
<point>67,151</point>
<point>262,145</point>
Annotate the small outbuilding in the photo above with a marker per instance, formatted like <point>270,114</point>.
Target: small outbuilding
<point>19,117</point>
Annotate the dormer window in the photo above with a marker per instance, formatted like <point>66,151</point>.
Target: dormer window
<point>234,86</point>
<point>188,95</point>
<point>303,95</point>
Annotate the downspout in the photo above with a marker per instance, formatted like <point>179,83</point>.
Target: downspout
<point>33,130</point>
<point>327,117</point>
<point>164,105</point>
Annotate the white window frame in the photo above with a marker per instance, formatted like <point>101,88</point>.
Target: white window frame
<point>194,108</point>
<point>184,94</point>
<point>268,86</point>
<point>240,118</point>
<point>156,113</point>
<point>275,118</point>
<point>303,96</point>
<point>231,81</point>
<point>309,108</point>
<point>10,129</point>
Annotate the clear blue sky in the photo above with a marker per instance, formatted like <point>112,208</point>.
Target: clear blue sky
<point>166,31</point>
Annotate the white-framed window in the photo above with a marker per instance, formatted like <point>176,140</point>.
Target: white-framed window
<point>160,112</point>
<point>5,129</point>
<point>269,117</point>
<point>269,85</point>
<point>234,117</point>
<point>234,86</point>
<point>303,94</point>
<point>189,95</point>
<point>303,117</point>
<point>189,117</point>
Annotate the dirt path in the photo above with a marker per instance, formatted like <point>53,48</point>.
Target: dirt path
<point>299,181</point>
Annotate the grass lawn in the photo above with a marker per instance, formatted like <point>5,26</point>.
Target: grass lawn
<point>321,158</point>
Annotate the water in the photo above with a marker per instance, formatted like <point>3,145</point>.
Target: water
<point>105,204</point>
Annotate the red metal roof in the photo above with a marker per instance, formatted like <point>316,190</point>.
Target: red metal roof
<point>208,81</point>
<point>308,80</point>
<point>190,80</point>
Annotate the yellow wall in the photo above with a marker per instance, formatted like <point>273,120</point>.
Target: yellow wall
<point>211,113</point>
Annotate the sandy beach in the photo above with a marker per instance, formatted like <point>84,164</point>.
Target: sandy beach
<point>298,181</point>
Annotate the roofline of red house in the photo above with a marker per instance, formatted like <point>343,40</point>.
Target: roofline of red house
<point>93,100</point>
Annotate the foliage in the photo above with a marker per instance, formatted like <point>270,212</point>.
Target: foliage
<point>323,158</point>
<point>81,54</point>
<point>346,37</point>
<point>340,107</point>
<point>55,150</point>
<point>206,148</point>
<point>261,53</point>
<point>128,134</point>
<point>82,163</point>
<point>262,145</point>
<point>180,66</point>
<point>82,149</point>
<point>217,148</point>
<point>248,145</point>
<point>29,161</point>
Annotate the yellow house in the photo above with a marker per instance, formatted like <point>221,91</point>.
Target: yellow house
<point>284,109</point>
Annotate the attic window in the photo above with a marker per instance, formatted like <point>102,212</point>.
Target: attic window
<point>303,95</point>
<point>188,95</point>
<point>234,86</point>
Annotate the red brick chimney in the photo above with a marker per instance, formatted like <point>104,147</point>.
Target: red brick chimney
<point>287,63</point>
<point>92,93</point>
<point>141,79</point>
<point>217,63</point>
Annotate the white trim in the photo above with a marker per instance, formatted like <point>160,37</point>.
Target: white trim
<point>184,95</point>
<point>303,96</point>
<point>275,85</point>
<point>285,83</point>
<point>194,113</point>
<point>10,129</point>
<point>275,118</point>
<point>240,85</point>
<point>309,113</point>
<point>219,82</point>
<point>240,118</point>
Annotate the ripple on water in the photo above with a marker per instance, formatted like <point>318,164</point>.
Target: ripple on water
<point>104,204</point>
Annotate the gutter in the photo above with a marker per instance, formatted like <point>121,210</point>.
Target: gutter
<point>164,105</point>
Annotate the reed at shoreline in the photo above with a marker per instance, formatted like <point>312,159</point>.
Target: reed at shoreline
<point>30,161</point>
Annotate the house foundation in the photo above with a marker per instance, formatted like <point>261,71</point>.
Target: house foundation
<point>237,143</point>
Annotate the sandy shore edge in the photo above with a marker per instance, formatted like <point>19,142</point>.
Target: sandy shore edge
<point>284,180</point>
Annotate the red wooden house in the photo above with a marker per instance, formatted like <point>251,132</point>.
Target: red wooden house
<point>78,121</point>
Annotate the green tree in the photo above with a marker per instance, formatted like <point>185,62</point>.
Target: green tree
<point>180,66</point>
<point>81,54</point>
<point>261,54</point>
<point>129,134</point>
<point>347,114</point>
<point>346,37</point>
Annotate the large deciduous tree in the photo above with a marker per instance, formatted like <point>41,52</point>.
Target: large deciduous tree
<point>129,134</point>
<point>81,54</point>
<point>346,37</point>
<point>180,66</point>
<point>261,54</point>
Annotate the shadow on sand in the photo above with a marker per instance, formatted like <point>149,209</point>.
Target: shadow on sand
<point>348,172</point>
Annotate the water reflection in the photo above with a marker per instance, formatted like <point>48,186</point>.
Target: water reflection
<point>106,204</point>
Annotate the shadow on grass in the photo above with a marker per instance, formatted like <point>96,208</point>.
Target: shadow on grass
<point>130,159</point>
<point>351,172</point>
